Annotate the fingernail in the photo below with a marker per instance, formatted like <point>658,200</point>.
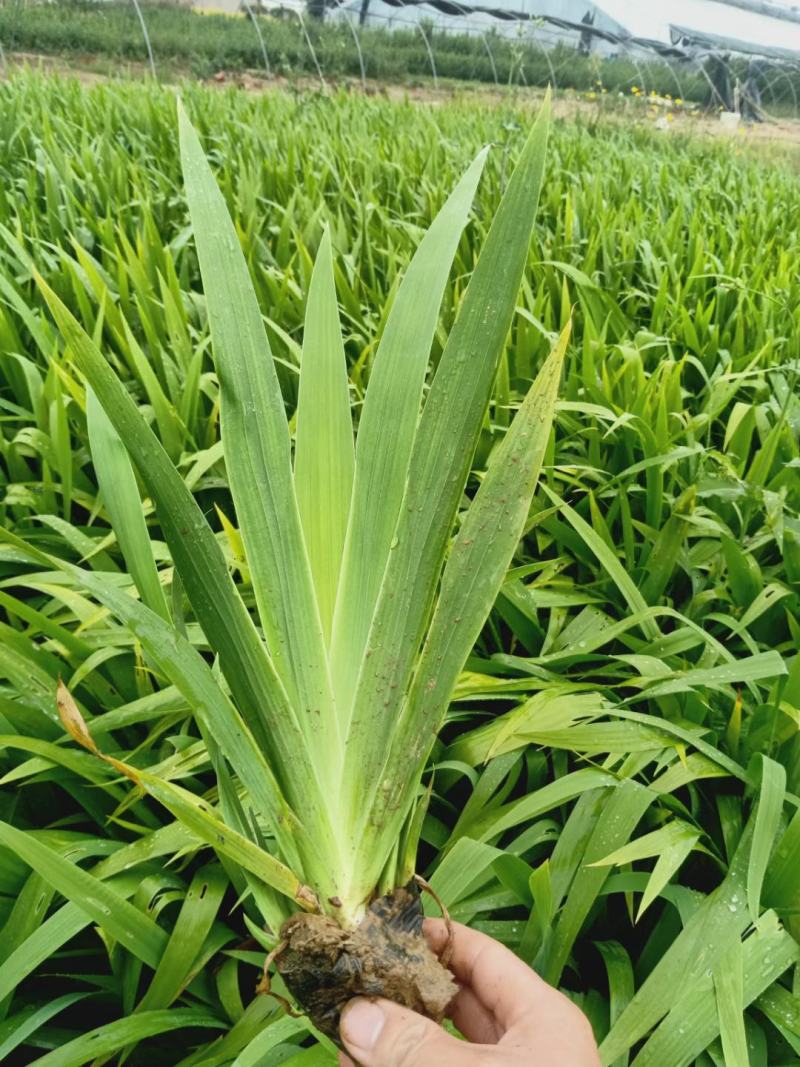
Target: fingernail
<point>362,1023</point>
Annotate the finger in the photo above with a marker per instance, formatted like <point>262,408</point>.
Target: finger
<point>378,1033</point>
<point>507,988</point>
<point>565,1038</point>
<point>345,1061</point>
<point>473,1020</point>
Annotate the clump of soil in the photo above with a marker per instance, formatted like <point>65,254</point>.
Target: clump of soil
<point>386,955</point>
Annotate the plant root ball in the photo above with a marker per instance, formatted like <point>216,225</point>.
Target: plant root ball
<point>386,955</point>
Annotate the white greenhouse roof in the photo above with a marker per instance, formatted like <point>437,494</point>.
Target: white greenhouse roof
<point>685,25</point>
<point>711,20</point>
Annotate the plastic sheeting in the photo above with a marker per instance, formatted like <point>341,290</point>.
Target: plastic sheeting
<point>718,24</point>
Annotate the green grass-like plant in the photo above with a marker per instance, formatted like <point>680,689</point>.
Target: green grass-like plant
<point>366,612</point>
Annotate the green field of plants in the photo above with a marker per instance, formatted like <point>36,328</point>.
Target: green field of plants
<point>615,787</point>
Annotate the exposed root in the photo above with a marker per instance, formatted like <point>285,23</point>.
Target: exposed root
<point>265,985</point>
<point>386,955</point>
<point>447,952</point>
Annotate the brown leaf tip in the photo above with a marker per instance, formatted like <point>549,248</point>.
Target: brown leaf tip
<point>72,720</point>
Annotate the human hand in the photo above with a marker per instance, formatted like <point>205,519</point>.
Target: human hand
<point>510,1016</point>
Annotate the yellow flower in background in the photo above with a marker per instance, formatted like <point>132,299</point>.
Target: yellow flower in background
<point>678,101</point>
<point>670,117</point>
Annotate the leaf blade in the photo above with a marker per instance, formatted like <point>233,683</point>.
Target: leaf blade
<point>131,927</point>
<point>767,820</point>
<point>121,497</point>
<point>324,459</point>
<point>440,460</point>
<point>255,436</point>
<point>388,426</point>
<point>477,563</point>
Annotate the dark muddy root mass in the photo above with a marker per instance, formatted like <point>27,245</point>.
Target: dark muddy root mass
<point>324,966</point>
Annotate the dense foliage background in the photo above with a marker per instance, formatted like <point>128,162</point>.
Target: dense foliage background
<point>207,42</point>
<point>635,697</point>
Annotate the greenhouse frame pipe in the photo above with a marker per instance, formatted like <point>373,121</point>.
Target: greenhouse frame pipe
<point>768,88</point>
<point>430,54</point>
<point>704,72</point>
<point>676,79</point>
<point>554,71</point>
<point>710,83</point>
<point>490,54</point>
<point>248,8</point>
<point>311,47</point>
<point>629,55</point>
<point>358,49</point>
<point>529,37</point>
<point>794,68</point>
<point>766,7</point>
<point>782,74</point>
<point>146,36</point>
<point>483,36</point>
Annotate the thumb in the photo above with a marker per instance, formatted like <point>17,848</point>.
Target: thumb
<point>379,1033</point>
